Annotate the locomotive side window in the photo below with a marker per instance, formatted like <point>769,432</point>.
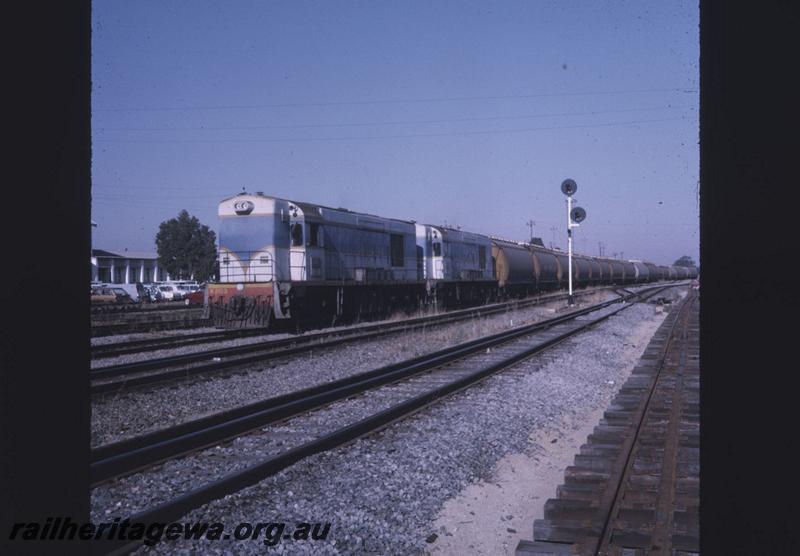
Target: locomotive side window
<point>482,257</point>
<point>397,249</point>
<point>313,235</point>
<point>297,234</point>
<point>437,249</point>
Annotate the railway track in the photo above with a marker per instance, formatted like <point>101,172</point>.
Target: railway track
<point>152,344</point>
<point>103,351</point>
<point>397,390</point>
<point>634,488</point>
<point>106,324</point>
<point>137,308</point>
<point>115,378</point>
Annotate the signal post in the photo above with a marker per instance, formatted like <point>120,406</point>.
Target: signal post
<point>574,217</point>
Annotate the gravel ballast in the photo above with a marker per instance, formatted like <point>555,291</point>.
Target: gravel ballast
<point>194,348</point>
<point>382,493</point>
<point>119,416</point>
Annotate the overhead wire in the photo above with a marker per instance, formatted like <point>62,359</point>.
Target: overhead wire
<point>396,122</point>
<point>402,136</point>
<point>388,101</point>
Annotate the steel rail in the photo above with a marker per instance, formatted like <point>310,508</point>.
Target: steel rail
<point>124,457</point>
<point>607,495</point>
<point>217,360</point>
<point>173,509</point>
<point>610,502</point>
<point>152,344</point>
<point>101,351</point>
<point>115,349</point>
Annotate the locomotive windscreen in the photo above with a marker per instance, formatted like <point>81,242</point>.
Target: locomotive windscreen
<point>248,234</point>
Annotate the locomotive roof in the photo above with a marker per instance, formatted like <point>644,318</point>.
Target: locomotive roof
<point>450,229</point>
<point>313,209</point>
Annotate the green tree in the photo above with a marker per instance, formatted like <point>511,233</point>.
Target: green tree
<point>686,260</point>
<point>186,248</point>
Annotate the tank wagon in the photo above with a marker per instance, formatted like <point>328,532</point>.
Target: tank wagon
<point>290,260</point>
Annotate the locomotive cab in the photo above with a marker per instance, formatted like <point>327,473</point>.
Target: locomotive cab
<point>430,260</point>
<point>437,257</point>
<point>306,250</point>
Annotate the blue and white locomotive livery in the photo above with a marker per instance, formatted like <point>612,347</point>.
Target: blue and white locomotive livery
<point>286,259</point>
<point>282,259</point>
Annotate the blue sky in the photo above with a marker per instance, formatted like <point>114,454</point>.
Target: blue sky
<point>465,113</point>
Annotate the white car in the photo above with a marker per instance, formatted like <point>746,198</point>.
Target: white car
<point>170,293</point>
<point>186,289</point>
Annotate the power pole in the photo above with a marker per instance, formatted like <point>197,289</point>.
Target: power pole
<point>531,224</point>
<point>553,229</point>
<point>600,248</point>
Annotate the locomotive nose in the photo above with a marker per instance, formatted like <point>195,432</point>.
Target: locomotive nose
<point>262,266</point>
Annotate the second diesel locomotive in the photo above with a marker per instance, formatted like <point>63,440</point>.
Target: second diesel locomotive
<point>282,259</point>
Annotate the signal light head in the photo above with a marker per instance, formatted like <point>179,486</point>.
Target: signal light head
<point>569,187</point>
<point>577,214</point>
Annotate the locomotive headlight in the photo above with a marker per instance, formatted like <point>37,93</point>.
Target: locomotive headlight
<point>243,207</point>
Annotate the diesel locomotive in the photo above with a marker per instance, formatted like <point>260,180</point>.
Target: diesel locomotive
<point>289,260</point>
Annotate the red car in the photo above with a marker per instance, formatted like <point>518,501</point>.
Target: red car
<point>197,297</point>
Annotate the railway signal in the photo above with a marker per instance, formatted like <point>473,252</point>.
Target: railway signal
<point>574,217</point>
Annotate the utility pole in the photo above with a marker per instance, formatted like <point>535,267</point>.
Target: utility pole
<point>600,248</point>
<point>531,224</point>
<point>553,229</point>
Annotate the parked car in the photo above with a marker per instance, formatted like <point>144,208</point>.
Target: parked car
<point>186,289</point>
<point>102,296</point>
<point>131,289</point>
<point>197,296</point>
<point>122,296</point>
<point>150,293</point>
<point>141,291</point>
<point>155,293</point>
<point>170,292</point>
<point>107,296</point>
